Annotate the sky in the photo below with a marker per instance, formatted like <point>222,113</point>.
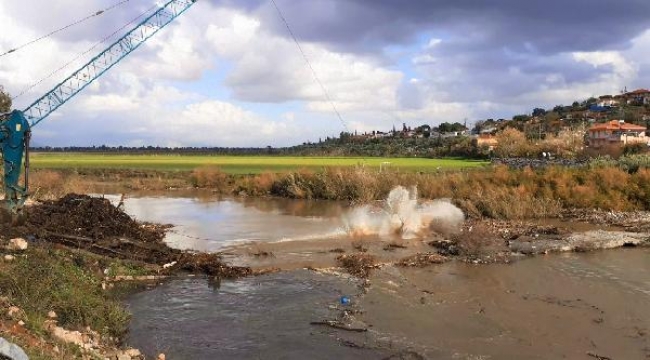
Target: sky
<point>228,73</point>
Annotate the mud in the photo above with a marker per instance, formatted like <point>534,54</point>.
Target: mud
<point>96,225</point>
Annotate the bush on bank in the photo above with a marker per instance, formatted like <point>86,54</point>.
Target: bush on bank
<point>493,192</point>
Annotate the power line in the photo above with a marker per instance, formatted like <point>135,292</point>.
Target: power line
<point>97,13</point>
<point>105,39</point>
<point>304,55</point>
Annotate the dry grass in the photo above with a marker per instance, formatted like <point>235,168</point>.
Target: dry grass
<point>210,177</point>
<point>496,192</point>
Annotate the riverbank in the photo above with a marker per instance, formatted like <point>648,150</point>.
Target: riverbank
<point>496,192</point>
<point>360,253</point>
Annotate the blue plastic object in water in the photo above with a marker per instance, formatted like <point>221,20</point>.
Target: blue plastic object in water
<point>345,300</point>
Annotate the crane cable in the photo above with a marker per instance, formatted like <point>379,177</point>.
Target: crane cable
<point>105,39</point>
<point>313,71</point>
<point>95,14</point>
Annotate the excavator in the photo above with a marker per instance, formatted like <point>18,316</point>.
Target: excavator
<point>16,126</point>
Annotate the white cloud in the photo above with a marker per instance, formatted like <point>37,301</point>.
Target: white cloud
<point>269,68</point>
<point>622,68</point>
<point>220,76</point>
<point>433,43</point>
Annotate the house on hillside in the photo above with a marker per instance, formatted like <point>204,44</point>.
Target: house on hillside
<point>637,97</point>
<point>616,133</point>
<point>609,101</point>
<point>488,141</point>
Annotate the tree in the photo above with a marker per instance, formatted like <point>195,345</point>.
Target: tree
<point>552,116</point>
<point>521,118</point>
<point>425,130</point>
<point>478,126</point>
<point>539,112</point>
<point>511,143</point>
<point>5,101</point>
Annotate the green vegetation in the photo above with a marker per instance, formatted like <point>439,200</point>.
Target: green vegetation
<point>45,280</point>
<point>236,164</point>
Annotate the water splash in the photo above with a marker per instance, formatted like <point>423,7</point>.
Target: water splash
<point>403,215</point>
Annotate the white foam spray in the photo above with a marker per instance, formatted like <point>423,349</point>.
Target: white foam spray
<point>403,215</point>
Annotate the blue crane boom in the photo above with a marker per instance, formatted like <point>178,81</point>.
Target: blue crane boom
<point>15,127</point>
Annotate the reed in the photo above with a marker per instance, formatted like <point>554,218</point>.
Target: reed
<point>495,192</point>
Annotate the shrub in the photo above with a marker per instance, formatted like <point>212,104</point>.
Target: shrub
<point>210,177</point>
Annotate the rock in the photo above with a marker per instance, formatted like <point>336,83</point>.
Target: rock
<point>49,325</point>
<point>161,356</point>
<point>13,312</point>
<point>123,357</point>
<point>584,241</point>
<point>9,258</point>
<point>167,266</point>
<point>111,354</point>
<point>51,314</point>
<point>17,244</point>
<point>11,351</point>
<point>133,353</point>
<point>67,336</point>
<point>21,323</point>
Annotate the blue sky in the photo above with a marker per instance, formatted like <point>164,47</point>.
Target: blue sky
<point>228,73</point>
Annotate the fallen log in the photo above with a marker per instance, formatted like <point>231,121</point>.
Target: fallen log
<point>337,325</point>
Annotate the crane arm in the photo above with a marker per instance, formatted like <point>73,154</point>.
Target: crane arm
<point>101,63</point>
<point>15,127</point>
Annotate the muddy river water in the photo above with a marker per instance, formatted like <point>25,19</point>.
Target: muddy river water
<point>575,306</point>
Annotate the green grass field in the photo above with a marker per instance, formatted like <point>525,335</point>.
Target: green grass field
<point>236,164</point>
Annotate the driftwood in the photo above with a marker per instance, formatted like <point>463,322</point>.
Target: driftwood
<point>599,357</point>
<point>76,241</point>
<point>337,325</point>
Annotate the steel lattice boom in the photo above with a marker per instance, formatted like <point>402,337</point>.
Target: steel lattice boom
<point>15,127</point>
<point>98,65</point>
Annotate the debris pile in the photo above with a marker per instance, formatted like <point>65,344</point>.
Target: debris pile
<point>445,247</point>
<point>210,264</point>
<point>358,264</point>
<point>96,225</point>
<point>421,260</point>
<point>636,221</point>
<point>90,217</point>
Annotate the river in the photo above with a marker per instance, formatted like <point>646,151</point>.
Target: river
<point>575,305</point>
